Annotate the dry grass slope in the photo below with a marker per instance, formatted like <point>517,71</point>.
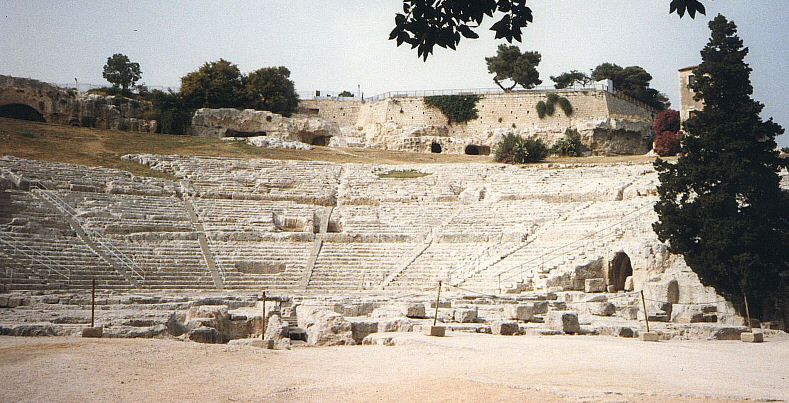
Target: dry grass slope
<point>95,147</point>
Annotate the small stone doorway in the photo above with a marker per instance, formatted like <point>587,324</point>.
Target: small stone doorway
<point>618,270</point>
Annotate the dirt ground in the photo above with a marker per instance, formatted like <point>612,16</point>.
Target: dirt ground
<point>461,367</point>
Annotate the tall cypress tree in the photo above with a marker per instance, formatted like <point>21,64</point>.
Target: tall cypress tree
<point>720,205</point>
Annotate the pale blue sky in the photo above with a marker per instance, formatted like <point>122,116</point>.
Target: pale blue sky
<point>335,45</point>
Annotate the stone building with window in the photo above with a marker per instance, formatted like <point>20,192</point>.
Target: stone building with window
<point>688,105</point>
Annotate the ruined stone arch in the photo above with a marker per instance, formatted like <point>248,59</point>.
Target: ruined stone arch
<point>21,111</point>
<point>20,104</point>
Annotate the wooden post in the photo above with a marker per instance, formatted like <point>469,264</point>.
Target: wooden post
<point>93,303</point>
<point>747,311</point>
<point>438,298</point>
<point>263,329</point>
<point>646,314</point>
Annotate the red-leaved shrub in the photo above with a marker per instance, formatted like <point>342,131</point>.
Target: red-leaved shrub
<point>667,120</point>
<point>667,143</point>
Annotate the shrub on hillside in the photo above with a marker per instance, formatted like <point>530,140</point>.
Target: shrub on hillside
<point>548,107</point>
<point>570,145</point>
<point>513,149</point>
<point>667,120</point>
<point>667,143</point>
<point>457,108</point>
<point>535,150</point>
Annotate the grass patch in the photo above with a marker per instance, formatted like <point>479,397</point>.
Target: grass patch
<point>402,174</point>
<point>103,148</point>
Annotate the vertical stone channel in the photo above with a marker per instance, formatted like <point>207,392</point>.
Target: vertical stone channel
<point>203,240</point>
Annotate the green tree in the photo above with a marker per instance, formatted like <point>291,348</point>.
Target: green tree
<point>633,81</point>
<point>510,64</point>
<point>424,24</point>
<point>170,111</point>
<point>270,89</point>
<point>569,79</point>
<point>121,72</point>
<point>218,84</point>
<point>345,94</point>
<point>720,205</point>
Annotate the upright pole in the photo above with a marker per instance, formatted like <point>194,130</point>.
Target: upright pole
<point>499,283</point>
<point>646,315</point>
<point>93,303</point>
<point>263,330</point>
<point>438,298</point>
<point>747,311</point>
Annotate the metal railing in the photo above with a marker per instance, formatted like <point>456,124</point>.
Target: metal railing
<point>327,95</point>
<point>17,247</point>
<point>99,238</point>
<point>84,87</point>
<point>484,91</point>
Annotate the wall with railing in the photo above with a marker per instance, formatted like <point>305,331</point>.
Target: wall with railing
<point>598,86</point>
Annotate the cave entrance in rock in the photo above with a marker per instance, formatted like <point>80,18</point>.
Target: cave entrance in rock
<point>22,112</point>
<point>473,149</point>
<point>618,270</point>
<point>320,141</point>
<point>435,148</point>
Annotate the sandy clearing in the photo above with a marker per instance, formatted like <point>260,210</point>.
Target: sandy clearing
<point>462,367</point>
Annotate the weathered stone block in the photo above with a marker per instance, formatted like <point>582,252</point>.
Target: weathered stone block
<point>649,336</point>
<point>464,315</point>
<point>629,286</point>
<point>94,332</point>
<point>436,331</point>
<point>395,325</point>
<point>611,288</point>
<point>564,321</point>
<point>540,307</point>
<point>3,301</point>
<point>624,332</point>
<point>205,334</point>
<point>276,329</point>
<point>504,328</point>
<point>324,327</point>
<point>594,285</point>
<point>602,309</point>
<point>524,312</point>
<point>413,310</point>
<point>689,316</point>
<point>749,337</point>
<point>361,329</point>
<point>387,312</point>
<point>728,333</point>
